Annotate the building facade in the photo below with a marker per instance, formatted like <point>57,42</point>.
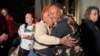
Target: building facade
<point>74,7</point>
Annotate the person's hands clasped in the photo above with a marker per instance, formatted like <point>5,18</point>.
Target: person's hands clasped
<point>3,37</point>
<point>30,37</point>
<point>68,41</point>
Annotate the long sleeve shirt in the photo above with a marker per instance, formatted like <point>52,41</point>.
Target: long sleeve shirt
<point>24,32</point>
<point>10,25</point>
<point>42,32</point>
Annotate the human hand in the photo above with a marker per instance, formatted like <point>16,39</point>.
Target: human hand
<point>3,37</point>
<point>68,41</point>
<point>30,46</point>
<point>31,37</point>
<point>77,49</point>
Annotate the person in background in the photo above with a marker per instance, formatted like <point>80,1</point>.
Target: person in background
<point>10,21</point>
<point>26,32</point>
<point>3,36</point>
<point>90,32</point>
<point>3,29</point>
<point>44,40</point>
<point>10,27</point>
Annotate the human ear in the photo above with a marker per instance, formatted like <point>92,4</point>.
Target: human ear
<point>61,11</point>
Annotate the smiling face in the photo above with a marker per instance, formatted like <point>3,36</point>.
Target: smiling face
<point>45,16</point>
<point>28,18</point>
<point>47,19</point>
<point>55,13</point>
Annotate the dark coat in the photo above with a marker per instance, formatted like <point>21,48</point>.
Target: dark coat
<point>62,28</point>
<point>98,22</point>
<point>90,37</point>
<point>3,25</point>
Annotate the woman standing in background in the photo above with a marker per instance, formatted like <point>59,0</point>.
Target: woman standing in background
<point>10,28</point>
<point>90,32</point>
<point>26,32</point>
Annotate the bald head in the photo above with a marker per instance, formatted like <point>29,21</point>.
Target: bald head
<point>55,12</point>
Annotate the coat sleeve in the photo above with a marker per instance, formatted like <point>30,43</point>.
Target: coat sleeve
<point>21,31</point>
<point>42,37</point>
<point>60,30</point>
<point>11,28</point>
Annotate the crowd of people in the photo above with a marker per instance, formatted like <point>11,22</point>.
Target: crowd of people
<point>57,34</point>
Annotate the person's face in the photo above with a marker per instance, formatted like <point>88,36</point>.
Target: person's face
<point>54,13</point>
<point>28,18</point>
<point>4,12</point>
<point>94,15</point>
<point>47,19</point>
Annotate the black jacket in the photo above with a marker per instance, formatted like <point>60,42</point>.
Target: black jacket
<point>90,38</point>
<point>3,25</point>
<point>62,29</point>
